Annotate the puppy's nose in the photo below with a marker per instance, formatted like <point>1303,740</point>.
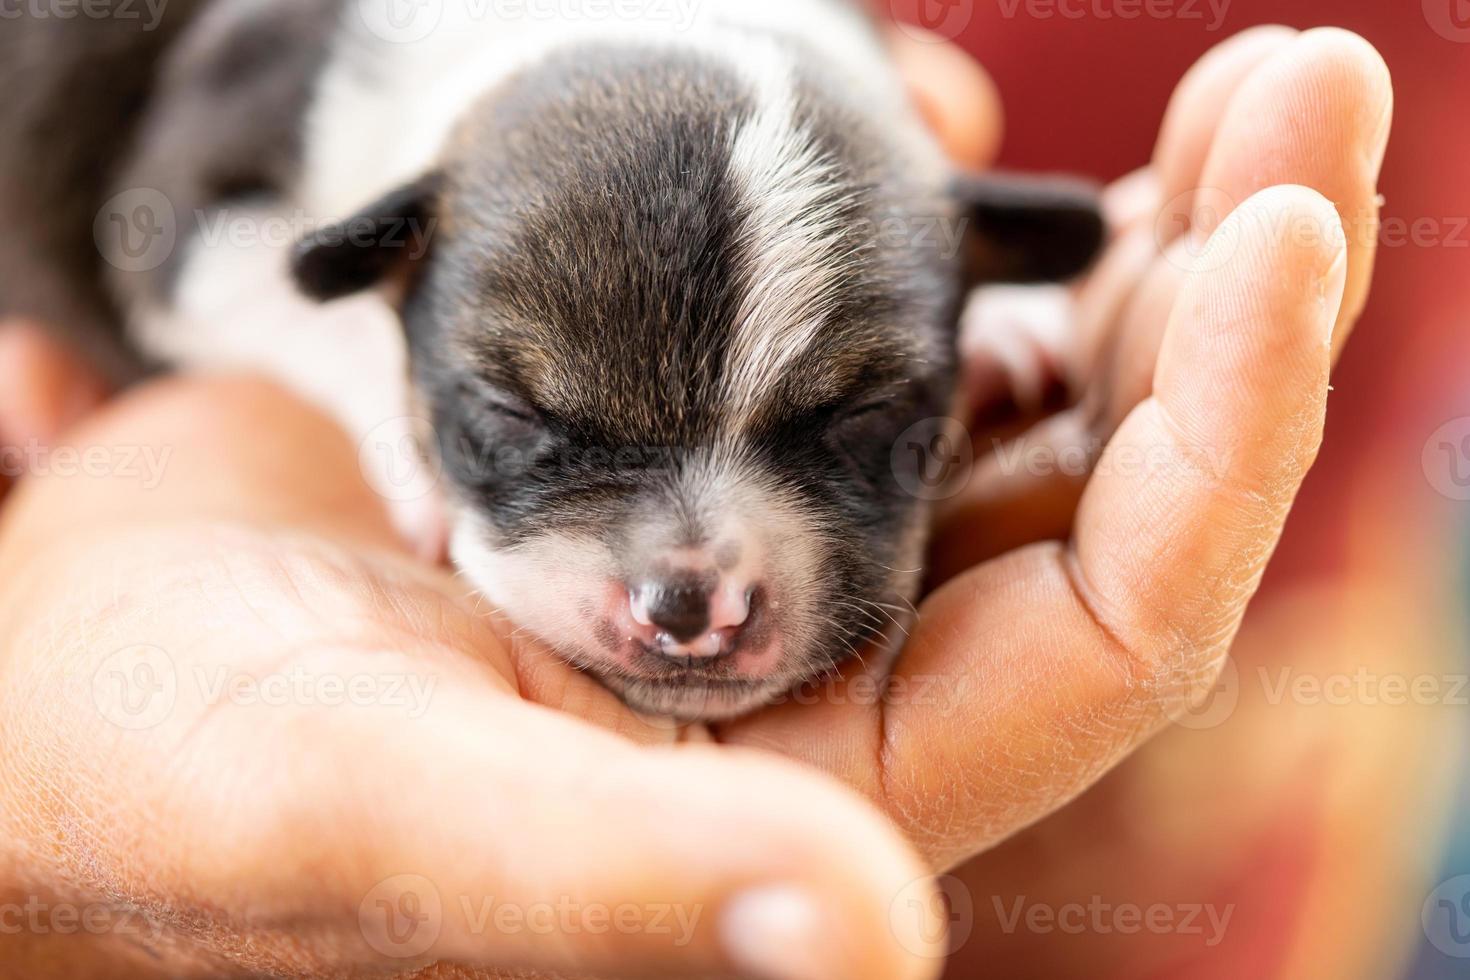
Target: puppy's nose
<point>689,605</point>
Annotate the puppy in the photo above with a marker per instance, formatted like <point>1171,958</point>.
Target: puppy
<point>672,289</point>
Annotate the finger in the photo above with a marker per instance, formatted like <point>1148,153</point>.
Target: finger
<point>1131,199</point>
<point>1194,114</point>
<point>1317,113</point>
<point>191,449</point>
<point>954,95</point>
<point>758,868</point>
<point>1119,323</point>
<point>467,826</point>
<point>1169,549</point>
<point>44,388</point>
<point>1055,661</point>
<point>299,822</point>
<point>1314,110</point>
<point>1189,128</point>
<point>1314,113</point>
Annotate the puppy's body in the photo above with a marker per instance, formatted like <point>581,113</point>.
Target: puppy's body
<point>672,287</point>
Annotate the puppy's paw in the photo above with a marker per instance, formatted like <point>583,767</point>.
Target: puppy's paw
<point>1013,350</point>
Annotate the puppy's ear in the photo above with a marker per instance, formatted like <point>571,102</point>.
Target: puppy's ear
<point>1028,229</point>
<point>382,240</point>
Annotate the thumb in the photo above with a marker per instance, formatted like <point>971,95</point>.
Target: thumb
<point>537,842</point>
<point>46,387</point>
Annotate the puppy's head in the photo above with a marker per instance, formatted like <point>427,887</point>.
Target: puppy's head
<point>672,323</point>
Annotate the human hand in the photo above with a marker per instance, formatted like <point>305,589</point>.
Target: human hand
<point>1269,106</point>
<point>249,735</point>
<point>1279,782</point>
<point>46,388</point>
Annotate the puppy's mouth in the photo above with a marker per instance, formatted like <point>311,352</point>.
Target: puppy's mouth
<point>717,669</point>
<point>690,698</point>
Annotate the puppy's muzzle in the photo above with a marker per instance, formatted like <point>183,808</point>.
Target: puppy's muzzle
<point>692,616</point>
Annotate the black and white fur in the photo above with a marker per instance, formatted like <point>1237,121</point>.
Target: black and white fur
<point>671,289</point>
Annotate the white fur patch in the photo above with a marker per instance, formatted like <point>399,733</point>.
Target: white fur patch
<point>236,309</point>
<point>792,227</point>
<point>390,101</point>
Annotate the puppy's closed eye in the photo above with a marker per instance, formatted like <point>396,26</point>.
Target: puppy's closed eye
<point>501,404</point>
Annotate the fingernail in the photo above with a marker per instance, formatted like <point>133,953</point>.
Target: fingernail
<point>774,933</point>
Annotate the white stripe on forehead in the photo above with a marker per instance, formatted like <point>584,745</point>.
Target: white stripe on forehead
<point>786,190</point>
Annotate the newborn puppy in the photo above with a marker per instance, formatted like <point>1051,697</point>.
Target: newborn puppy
<point>677,288</point>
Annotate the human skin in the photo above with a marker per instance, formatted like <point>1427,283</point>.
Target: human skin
<point>251,834</point>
